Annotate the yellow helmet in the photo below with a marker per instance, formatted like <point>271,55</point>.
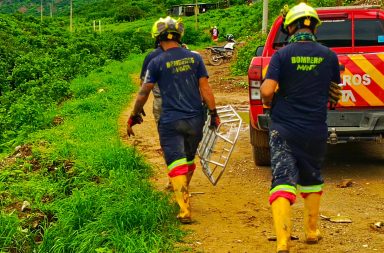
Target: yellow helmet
<point>301,10</point>
<point>167,25</point>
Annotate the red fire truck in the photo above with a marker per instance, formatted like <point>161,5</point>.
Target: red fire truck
<point>356,35</point>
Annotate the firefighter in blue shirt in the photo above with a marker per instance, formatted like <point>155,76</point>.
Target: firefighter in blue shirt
<point>302,73</point>
<point>156,91</point>
<point>183,81</point>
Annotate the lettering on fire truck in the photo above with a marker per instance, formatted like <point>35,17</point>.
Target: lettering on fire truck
<point>347,95</point>
<point>356,80</point>
<point>353,80</point>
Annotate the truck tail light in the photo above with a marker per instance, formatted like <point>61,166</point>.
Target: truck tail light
<point>254,80</point>
<point>254,87</point>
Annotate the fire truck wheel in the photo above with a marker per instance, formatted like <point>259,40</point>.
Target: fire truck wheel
<point>260,147</point>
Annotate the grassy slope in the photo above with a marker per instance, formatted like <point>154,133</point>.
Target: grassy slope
<point>88,192</point>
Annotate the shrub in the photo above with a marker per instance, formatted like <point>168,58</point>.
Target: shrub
<point>129,13</point>
<point>245,53</point>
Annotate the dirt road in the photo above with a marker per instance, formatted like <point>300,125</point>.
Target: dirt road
<point>234,216</point>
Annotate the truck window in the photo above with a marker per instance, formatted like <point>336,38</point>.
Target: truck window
<point>280,40</point>
<point>369,32</point>
<point>332,33</point>
<point>335,33</point>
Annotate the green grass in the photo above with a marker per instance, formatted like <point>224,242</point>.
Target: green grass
<point>88,191</point>
<point>8,231</point>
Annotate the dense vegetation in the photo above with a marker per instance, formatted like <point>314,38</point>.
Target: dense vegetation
<point>118,9</point>
<point>39,61</point>
<point>86,191</point>
<point>70,185</point>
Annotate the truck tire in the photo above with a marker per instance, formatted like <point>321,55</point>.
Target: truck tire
<point>260,147</point>
<point>215,59</point>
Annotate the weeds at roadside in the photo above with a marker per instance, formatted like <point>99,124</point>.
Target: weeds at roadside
<point>87,191</point>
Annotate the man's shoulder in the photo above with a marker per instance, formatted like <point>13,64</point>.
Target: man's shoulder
<point>154,53</point>
<point>192,53</point>
<point>324,51</point>
<point>298,46</point>
<point>155,56</point>
<point>323,48</point>
<point>183,52</point>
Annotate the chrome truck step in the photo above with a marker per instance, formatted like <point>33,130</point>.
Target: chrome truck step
<point>217,145</point>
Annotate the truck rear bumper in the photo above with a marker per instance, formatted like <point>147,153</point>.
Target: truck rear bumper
<point>348,126</point>
<point>356,123</point>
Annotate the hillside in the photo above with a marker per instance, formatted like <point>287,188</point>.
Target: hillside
<point>126,10</point>
<point>90,8</point>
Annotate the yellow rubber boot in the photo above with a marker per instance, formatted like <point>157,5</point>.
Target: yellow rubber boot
<point>311,215</point>
<point>281,212</point>
<point>180,188</point>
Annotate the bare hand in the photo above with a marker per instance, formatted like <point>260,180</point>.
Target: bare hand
<point>130,131</point>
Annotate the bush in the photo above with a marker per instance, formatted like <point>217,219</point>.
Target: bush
<point>39,60</point>
<point>129,13</point>
<point>193,36</point>
<point>245,54</point>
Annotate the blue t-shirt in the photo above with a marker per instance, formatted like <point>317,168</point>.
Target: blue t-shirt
<point>177,72</point>
<point>147,59</point>
<point>304,71</point>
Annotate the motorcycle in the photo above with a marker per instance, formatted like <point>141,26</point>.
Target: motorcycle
<point>217,55</point>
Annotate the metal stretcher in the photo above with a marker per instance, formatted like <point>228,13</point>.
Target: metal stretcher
<point>217,145</point>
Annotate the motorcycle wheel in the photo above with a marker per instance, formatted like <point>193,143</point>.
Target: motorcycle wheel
<point>215,60</point>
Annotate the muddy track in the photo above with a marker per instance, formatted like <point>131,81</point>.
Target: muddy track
<point>234,215</point>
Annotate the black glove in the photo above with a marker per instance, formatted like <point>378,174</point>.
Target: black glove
<point>133,120</point>
<point>334,93</point>
<point>215,120</point>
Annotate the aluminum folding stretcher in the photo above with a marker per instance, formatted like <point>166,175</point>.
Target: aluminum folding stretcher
<point>217,145</point>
